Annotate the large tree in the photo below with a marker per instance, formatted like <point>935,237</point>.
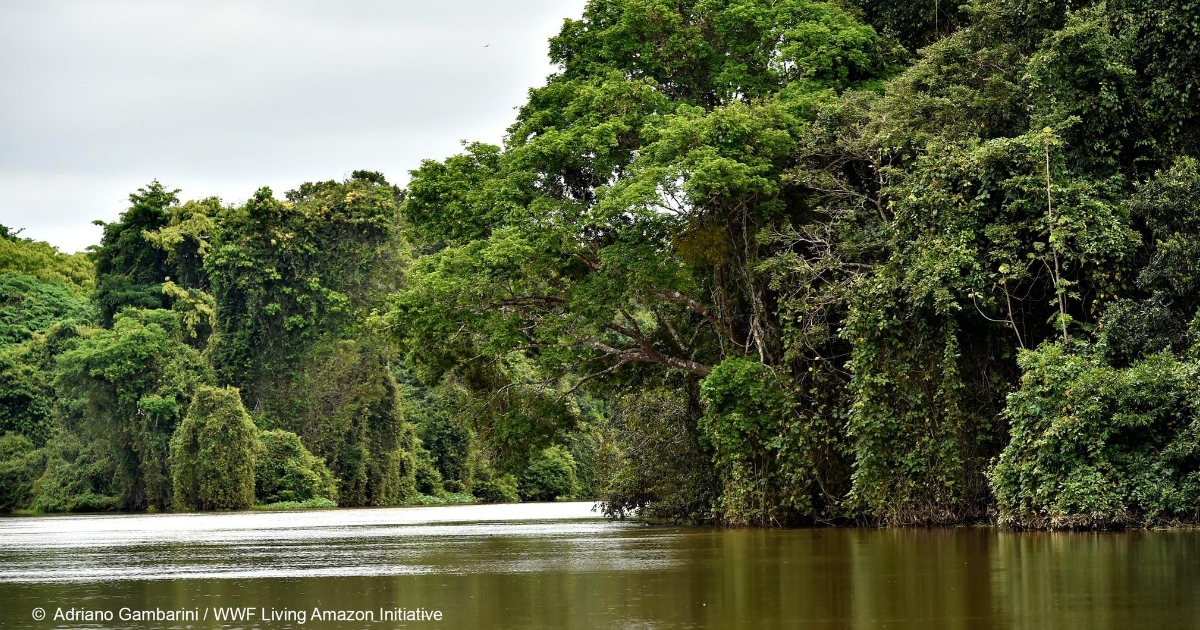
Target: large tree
<point>626,223</point>
<point>836,268</point>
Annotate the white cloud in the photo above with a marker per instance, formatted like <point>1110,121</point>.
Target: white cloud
<point>223,97</point>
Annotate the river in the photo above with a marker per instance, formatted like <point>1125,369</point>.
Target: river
<point>559,565</point>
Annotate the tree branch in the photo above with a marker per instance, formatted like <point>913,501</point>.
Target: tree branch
<point>651,354</point>
<point>679,298</point>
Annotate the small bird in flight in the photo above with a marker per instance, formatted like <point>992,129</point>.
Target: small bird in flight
<point>486,45</point>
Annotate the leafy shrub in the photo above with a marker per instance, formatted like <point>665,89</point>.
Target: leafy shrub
<point>495,488</point>
<point>446,441</point>
<point>650,461</point>
<point>345,406</point>
<point>78,477</point>
<point>428,479</point>
<point>213,453</point>
<point>286,471</point>
<point>1097,446</point>
<point>744,422</point>
<point>29,305</point>
<point>129,388</point>
<point>551,475</point>
<point>18,470</point>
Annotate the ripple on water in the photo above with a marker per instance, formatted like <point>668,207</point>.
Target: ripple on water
<point>525,538</point>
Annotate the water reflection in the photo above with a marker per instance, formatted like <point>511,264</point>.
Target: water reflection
<point>559,565</point>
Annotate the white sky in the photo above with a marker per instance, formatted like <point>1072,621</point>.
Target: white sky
<point>221,97</point>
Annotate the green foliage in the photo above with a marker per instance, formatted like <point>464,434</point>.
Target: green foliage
<point>130,269</point>
<point>491,487</point>
<point>130,387</point>
<point>286,273</point>
<point>196,310</point>
<point>345,405</point>
<point>746,410</point>
<point>1130,330</point>
<point>452,201</point>
<point>29,305</point>
<point>708,53</point>
<point>43,261</point>
<point>651,462</point>
<point>513,425</point>
<point>916,447</point>
<point>1005,221</point>
<point>446,442</point>
<point>186,239</point>
<point>213,453</point>
<point>1097,446</point>
<point>27,374</point>
<point>19,467</point>
<point>78,477</point>
<point>758,262</point>
<point>551,475</point>
<point>483,480</point>
<point>292,282</point>
<point>428,479</point>
<point>1164,203</point>
<point>40,286</point>
<point>619,232</point>
<point>1163,44</point>
<point>914,24</point>
<point>583,445</point>
<point>285,471</point>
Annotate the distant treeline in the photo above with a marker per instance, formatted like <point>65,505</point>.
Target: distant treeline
<point>746,261</point>
<point>216,357</point>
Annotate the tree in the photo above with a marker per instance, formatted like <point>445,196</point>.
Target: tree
<point>550,476</point>
<point>43,261</point>
<point>293,283</point>
<point>286,471</point>
<point>621,230</point>
<point>213,453</point>
<point>130,269</point>
<point>19,467</point>
<point>285,273</point>
<point>129,388</point>
<point>29,305</point>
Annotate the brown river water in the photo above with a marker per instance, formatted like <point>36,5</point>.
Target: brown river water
<point>559,565</point>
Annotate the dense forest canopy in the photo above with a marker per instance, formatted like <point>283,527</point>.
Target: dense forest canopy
<point>746,261</point>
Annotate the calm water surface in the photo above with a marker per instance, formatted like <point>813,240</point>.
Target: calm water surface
<point>561,566</point>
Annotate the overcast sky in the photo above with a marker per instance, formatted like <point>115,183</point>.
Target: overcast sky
<point>220,98</point>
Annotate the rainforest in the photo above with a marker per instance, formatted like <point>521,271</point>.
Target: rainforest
<point>746,262</point>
